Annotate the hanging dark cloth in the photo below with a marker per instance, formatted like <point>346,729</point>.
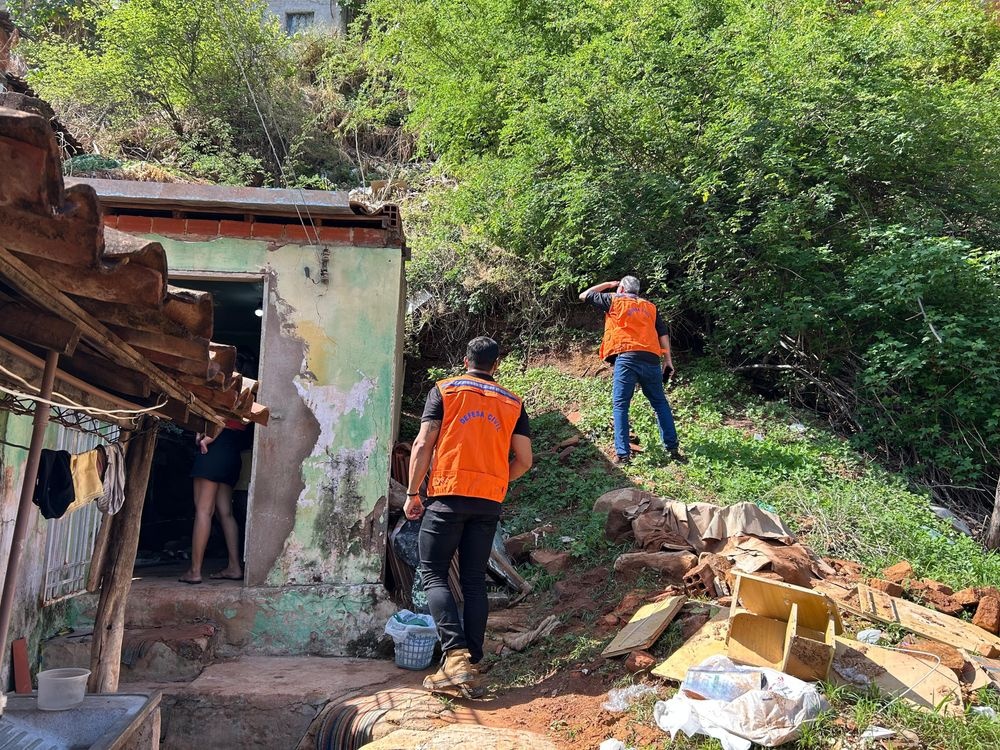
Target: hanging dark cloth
<point>54,487</point>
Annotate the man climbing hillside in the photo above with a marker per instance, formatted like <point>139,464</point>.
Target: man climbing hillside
<point>635,337</point>
<point>470,427</point>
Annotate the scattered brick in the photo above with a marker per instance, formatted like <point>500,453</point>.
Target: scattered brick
<point>845,568</point>
<point>552,561</point>
<point>950,656</point>
<point>889,587</point>
<point>942,602</point>
<point>609,621</point>
<point>967,597</point>
<point>988,614</point>
<point>940,588</point>
<point>899,572</point>
<point>639,661</point>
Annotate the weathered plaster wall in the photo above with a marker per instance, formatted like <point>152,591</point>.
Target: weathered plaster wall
<point>329,367</point>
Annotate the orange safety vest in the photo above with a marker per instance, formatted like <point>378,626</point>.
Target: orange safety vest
<point>472,454</point>
<point>630,326</point>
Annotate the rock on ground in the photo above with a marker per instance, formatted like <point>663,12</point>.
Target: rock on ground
<point>673,565</point>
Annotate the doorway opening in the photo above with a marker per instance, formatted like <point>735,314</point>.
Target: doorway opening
<point>168,517</point>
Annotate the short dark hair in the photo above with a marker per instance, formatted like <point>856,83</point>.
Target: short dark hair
<point>482,352</point>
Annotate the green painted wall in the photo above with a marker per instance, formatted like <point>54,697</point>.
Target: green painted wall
<point>340,397</point>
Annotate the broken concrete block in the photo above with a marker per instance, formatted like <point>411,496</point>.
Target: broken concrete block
<point>700,581</point>
<point>553,562</point>
<point>672,565</point>
<point>889,587</point>
<point>639,661</point>
<point>988,614</point>
<point>898,573</point>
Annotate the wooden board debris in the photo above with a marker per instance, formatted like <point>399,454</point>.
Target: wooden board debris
<point>784,627</point>
<point>925,686</point>
<point>878,606</point>
<point>645,627</point>
<point>710,640</point>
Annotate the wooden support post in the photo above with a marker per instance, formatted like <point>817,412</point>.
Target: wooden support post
<point>109,624</point>
<point>993,535</point>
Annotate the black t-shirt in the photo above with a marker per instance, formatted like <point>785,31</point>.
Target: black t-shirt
<point>434,412</point>
<point>602,301</point>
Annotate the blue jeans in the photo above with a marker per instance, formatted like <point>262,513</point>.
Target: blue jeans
<point>630,371</point>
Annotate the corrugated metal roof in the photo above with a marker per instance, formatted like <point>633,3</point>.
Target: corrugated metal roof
<point>239,200</point>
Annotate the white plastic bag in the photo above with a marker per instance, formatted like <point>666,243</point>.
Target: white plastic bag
<point>403,623</point>
<point>619,699</point>
<point>770,716</point>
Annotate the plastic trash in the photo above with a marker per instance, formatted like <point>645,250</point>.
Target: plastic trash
<point>770,716</point>
<point>988,711</point>
<point>614,744</point>
<point>871,636</point>
<point>414,637</point>
<point>721,684</point>
<point>877,733</point>
<point>620,699</point>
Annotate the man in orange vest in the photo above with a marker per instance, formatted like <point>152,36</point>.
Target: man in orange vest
<point>635,338</point>
<point>469,430</point>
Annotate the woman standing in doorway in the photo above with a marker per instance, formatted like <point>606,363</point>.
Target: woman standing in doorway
<point>215,472</point>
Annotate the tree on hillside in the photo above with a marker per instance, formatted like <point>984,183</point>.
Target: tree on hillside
<point>814,181</point>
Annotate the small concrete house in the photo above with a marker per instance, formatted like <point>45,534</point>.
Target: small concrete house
<point>311,286</point>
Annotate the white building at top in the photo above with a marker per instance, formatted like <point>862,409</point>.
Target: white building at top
<point>299,15</point>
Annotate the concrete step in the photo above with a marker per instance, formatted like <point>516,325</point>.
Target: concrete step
<point>267,702</point>
<point>173,653</point>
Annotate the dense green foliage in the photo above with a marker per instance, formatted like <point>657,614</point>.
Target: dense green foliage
<point>213,89</point>
<point>810,185</point>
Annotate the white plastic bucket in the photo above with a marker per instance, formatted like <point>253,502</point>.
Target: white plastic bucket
<point>59,689</point>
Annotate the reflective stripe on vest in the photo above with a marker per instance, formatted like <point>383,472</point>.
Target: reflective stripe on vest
<point>630,326</point>
<point>472,454</point>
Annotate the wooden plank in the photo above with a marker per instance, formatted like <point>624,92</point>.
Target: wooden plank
<point>645,627</point>
<point>100,554</point>
<point>22,668</point>
<point>187,347</point>
<point>710,640</point>
<point>755,640</point>
<point>877,605</point>
<point>109,623</point>
<point>928,687</point>
<point>42,292</point>
<point>128,284</point>
<point>95,370</point>
<point>38,328</point>
<point>774,600</point>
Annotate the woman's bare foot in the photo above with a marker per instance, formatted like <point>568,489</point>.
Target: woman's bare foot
<point>229,573</point>
<point>190,577</point>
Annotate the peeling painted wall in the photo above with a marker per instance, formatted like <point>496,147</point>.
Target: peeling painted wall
<point>329,373</point>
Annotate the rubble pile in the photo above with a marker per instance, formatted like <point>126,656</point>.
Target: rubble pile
<point>752,602</point>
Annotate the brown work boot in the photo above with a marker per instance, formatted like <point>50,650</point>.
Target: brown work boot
<point>457,676</point>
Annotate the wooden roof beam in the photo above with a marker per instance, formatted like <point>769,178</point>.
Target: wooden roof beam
<point>25,279</point>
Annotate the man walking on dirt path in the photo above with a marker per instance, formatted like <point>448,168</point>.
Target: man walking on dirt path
<point>635,337</point>
<point>469,429</point>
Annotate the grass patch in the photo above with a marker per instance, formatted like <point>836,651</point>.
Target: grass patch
<point>741,448</point>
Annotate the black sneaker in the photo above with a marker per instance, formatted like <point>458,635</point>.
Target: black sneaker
<point>623,460</point>
<point>677,456</point>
